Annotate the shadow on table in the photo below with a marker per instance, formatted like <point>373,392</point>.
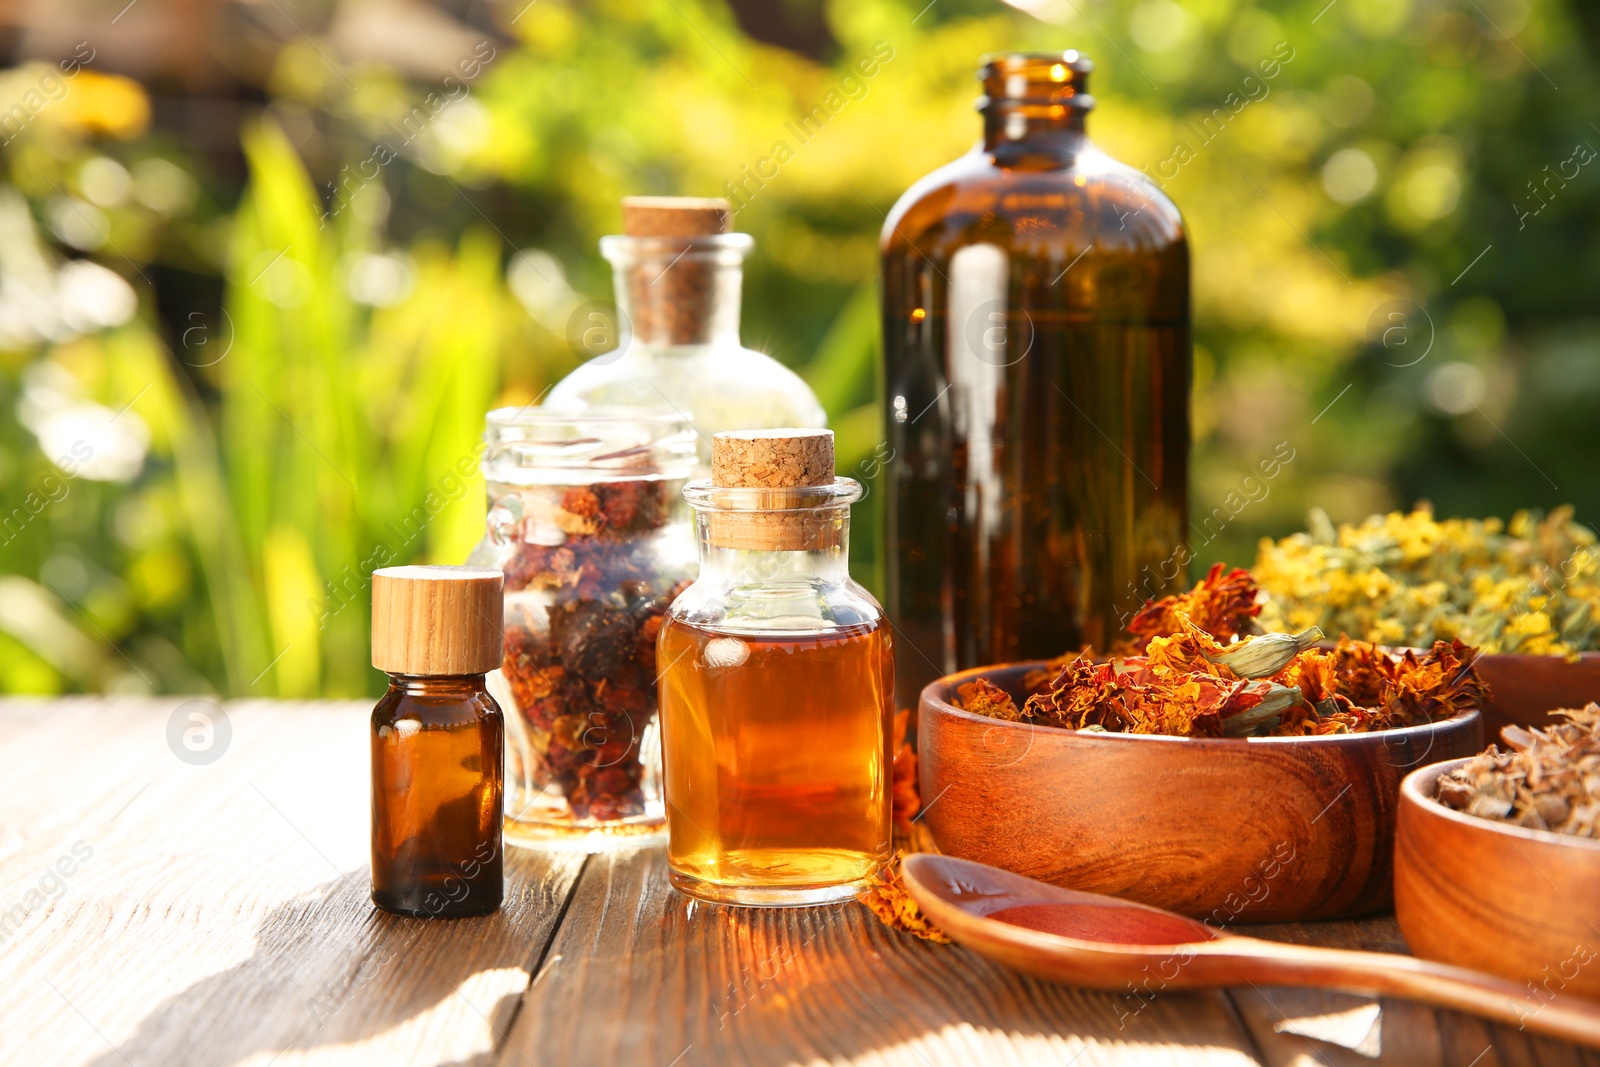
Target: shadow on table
<point>330,969</point>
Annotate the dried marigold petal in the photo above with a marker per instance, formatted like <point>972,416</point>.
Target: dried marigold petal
<point>1178,691</point>
<point>982,697</point>
<point>1224,604</point>
<point>1189,651</point>
<point>1036,681</point>
<point>578,513</point>
<point>1186,682</point>
<point>886,897</point>
<point>1133,698</point>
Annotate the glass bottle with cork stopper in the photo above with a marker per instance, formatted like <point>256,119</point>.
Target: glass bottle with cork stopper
<point>438,742</point>
<point>1037,372</point>
<point>777,679</point>
<point>673,341</point>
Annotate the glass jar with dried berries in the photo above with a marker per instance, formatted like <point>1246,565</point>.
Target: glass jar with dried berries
<point>586,520</point>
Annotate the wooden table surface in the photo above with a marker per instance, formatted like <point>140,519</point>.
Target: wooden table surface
<point>157,911</point>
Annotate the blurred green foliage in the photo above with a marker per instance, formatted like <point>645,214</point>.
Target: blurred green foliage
<point>279,382</point>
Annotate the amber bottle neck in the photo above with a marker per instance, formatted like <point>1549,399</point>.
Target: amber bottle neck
<point>1017,133</point>
<point>1034,104</point>
<point>462,686</point>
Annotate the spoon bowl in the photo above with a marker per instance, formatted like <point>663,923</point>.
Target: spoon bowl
<point>1100,942</point>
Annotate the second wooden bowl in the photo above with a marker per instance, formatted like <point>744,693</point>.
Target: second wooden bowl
<point>1523,904</point>
<point>1524,689</point>
<point>1268,829</point>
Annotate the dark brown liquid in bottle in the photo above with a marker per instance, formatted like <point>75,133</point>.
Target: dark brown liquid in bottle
<point>1037,354</point>
<point>438,772</point>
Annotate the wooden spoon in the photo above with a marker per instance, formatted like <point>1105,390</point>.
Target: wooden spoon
<point>1086,939</point>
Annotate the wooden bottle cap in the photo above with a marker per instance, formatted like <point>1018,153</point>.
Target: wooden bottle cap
<point>674,216</point>
<point>775,460</point>
<point>437,620</point>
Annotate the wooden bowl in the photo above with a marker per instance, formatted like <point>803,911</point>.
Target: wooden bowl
<point>1267,829</point>
<point>1523,689</point>
<point>1523,904</point>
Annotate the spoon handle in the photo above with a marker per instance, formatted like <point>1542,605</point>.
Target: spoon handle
<point>1569,1018</point>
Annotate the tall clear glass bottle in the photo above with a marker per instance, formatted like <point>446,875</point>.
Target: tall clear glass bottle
<point>1037,359</point>
<point>676,328</point>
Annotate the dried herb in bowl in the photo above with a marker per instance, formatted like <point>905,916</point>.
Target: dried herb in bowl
<point>1354,688</point>
<point>1182,680</point>
<point>1549,780</point>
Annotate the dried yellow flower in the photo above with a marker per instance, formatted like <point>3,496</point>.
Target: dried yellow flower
<point>1531,585</point>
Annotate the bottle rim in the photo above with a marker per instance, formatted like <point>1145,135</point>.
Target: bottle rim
<point>1052,80</point>
<point>703,496</point>
<point>606,442</point>
<point>1070,58</point>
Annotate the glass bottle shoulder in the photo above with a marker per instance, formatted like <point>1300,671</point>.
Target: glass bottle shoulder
<point>721,387</point>
<point>1043,201</point>
<point>794,607</point>
<point>435,708</point>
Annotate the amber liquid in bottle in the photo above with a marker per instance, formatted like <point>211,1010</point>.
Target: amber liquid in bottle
<point>438,772</point>
<point>777,755</point>
<point>1037,357</point>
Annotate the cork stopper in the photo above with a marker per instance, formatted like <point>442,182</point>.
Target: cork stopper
<point>785,462</point>
<point>674,216</point>
<point>772,459</point>
<point>436,620</point>
<point>671,289</point>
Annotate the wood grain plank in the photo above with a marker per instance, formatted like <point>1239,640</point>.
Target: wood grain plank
<point>1408,1033</point>
<point>639,974</point>
<point>218,914</point>
<point>221,915</point>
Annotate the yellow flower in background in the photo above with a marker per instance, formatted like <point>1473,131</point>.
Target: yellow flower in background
<point>1416,540</point>
<point>1387,632</point>
<point>1405,578</point>
<point>1534,622</point>
<point>109,104</point>
<point>1375,585</point>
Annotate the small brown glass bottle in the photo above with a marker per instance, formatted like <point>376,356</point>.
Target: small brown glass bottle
<point>438,742</point>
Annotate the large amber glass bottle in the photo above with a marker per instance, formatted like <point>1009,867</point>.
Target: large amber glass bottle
<point>1036,345</point>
